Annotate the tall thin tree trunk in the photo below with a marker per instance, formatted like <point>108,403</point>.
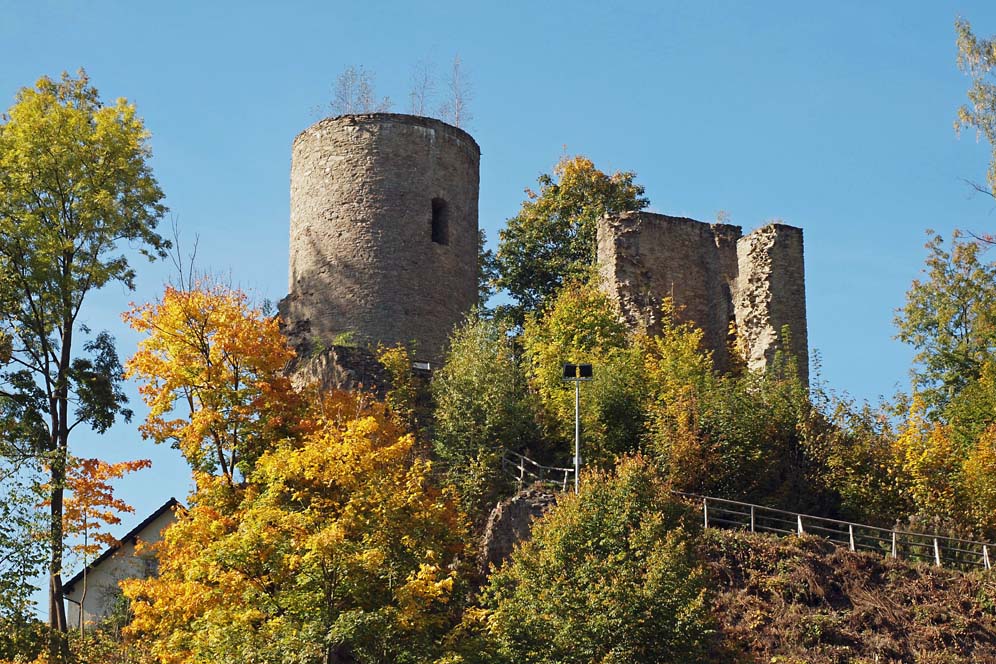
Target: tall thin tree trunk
<point>58,649</point>
<point>58,624</point>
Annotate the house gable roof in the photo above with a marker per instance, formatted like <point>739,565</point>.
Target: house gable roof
<point>131,536</point>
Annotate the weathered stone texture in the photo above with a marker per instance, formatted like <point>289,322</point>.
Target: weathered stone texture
<point>339,368</point>
<point>715,276</point>
<point>645,257</point>
<point>771,295</point>
<point>510,523</point>
<point>364,260</point>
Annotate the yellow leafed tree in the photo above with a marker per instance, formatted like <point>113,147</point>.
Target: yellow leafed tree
<point>929,465</point>
<point>337,546</point>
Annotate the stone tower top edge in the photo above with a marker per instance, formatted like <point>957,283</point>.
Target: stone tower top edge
<point>357,119</point>
<point>660,216</point>
<point>777,225</point>
<point>668,218</point>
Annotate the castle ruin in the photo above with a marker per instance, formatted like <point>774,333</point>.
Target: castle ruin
<point>384,244</point>
<point>741,290</point>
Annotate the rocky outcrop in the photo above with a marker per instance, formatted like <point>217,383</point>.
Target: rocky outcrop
<point>510,523</point>
<point>339,367</point>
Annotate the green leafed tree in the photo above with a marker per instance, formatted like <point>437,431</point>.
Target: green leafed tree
<point>582,325</point>
<point>551,241</point>
<point>609,575</point>
<point>482,408</point>
<point>950,319</point>
<point>977,59</point>
<point>75,188</point>
<point>22,555</point>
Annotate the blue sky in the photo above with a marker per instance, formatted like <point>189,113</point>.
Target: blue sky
<point>836,117</point>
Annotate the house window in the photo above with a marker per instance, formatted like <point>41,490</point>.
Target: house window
<point>440,221</point>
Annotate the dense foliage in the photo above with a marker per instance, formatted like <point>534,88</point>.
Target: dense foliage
<point>482,408</point>
<point>950,319</point>
<point>337,546</point>
<point>609,576</point>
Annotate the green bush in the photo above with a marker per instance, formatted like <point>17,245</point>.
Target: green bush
<point>609,576</point>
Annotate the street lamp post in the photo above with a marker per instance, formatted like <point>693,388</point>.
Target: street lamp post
<point>575,373</point>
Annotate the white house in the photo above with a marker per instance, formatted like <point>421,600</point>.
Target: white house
<point>99,580</point>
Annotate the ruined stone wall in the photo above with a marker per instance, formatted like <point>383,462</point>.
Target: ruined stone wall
<point>715,276</point>
<point>771,294</point>
<point>383,232</point>
<point>645,257</point>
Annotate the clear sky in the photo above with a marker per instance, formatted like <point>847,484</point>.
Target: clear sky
<point>833,116</point>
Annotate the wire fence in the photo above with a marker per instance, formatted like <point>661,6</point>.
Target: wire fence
<point>950,552</point>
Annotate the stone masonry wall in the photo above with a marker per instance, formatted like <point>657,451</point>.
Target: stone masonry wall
<point>645,257</point>
<point>771,294</point>
<point>383,232</point>
<point>717,277</point>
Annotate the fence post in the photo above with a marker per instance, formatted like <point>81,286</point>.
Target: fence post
<point>850,532</point>
<point>801,531</point>
<point>895,549</point>
<point>752,518</point>
<point>705,511</point>
<point>937,553</point>
<point>985,557</point>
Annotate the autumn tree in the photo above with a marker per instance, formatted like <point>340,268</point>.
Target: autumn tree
<point>977,59</point>
<point>211,369</point>
<point>950,319</point>
<point>336,548</point>
<point>75,185</point>
<point>91,506</point>
<point>582,325</point>
<point>929,465</point>
<point>978,471</point>
<point>551,241</point>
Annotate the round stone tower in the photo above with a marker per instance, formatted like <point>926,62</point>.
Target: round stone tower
<point>383,232</point>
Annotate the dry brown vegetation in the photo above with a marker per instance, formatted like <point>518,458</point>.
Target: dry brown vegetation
<point>802,599</point>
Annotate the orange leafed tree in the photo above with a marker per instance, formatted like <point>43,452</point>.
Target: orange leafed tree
<point>91,503</point>
<point>91,506</point>
<point>211,368</point>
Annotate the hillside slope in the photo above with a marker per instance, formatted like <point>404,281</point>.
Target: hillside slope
<point>793,599</point>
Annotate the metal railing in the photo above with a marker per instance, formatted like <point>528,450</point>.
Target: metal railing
<point>939,550</point>
<point>524,470</point>
<point>951,552</point>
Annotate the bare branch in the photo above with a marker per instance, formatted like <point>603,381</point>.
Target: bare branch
<point>184,266</point>
<point>423,86</point>
<point>456,109</point>
<point>354,93</point>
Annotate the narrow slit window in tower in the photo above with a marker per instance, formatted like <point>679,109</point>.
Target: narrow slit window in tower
<point>440,222</point>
